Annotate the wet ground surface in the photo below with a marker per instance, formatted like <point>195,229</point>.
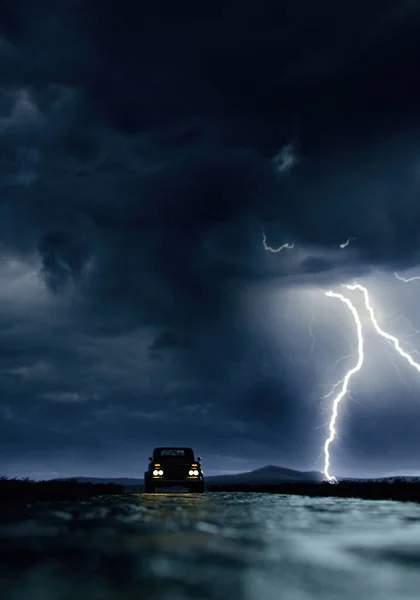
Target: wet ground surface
<point>211,546</point>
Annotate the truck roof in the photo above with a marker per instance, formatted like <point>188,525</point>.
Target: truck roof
<point>173,451</point>
<point>173,448</point>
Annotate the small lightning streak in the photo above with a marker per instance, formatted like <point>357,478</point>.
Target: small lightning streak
<point>391,338</point>
<point>279,249</point>
<point>345,383</point>
<point>406,279</point>
<point>335,385</point>
<point>346,243</point>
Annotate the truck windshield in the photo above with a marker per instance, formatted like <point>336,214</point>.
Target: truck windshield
<point>185,453</point>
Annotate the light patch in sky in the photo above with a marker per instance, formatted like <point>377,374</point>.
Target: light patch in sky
<point>20,284</point>
<point>69,397</point>
<point>285,159</point>
<point>37,371</point>
<point>23,113</point>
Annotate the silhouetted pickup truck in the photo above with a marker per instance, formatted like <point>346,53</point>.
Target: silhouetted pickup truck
<point>169,467</point>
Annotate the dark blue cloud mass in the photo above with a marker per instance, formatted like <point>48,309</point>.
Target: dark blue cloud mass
<point>144,151</point>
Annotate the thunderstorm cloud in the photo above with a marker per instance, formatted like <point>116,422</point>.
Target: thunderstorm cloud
<point>144,150</point>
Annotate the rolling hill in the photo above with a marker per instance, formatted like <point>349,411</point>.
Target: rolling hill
<point>268,474</point>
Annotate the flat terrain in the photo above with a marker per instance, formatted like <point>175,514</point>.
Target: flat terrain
<point>244,546</point>
<point>374,489</point>
<point>24,491</point>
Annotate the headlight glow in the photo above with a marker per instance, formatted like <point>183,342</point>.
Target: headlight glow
<point>155,472</point>
<point>160,472</point>
<point>191,472</point>
<point>195,472</point>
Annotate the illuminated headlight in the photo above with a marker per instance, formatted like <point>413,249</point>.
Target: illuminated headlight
<point>195,472</point>
<point>191,472</point>
<point>156,473</point>
<point>160,472</point>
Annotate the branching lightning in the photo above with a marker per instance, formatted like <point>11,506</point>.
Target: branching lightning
<point>391,338</point>
<point>345,383</point>
<point>398,371</point>
<point>279,249</point>
<point>335,385</point>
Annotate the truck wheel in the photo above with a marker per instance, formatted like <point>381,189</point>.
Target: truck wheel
<point>148,487</point>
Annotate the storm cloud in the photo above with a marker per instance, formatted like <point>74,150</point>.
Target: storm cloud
<point>143,151</point>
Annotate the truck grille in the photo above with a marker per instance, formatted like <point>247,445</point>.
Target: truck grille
<point>176,471</point>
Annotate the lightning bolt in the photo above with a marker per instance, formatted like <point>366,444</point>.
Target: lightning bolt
<point>346,243</point>
<point>344,382</point>
<point>390,338</point>
<point>406,280</point>
<point>275,250</point>
<point>398,372</point>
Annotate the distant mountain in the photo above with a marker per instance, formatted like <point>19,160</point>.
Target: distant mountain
<point>269,474</point>
<point>389,479</point>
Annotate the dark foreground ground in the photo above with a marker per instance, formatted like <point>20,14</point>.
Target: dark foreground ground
<point>213,546</point>
<point>397,489</point>
<point>24,491</point>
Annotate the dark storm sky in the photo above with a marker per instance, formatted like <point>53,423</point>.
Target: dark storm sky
<point>140,161</point>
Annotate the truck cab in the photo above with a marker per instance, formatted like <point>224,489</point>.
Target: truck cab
<point>170,466</point>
